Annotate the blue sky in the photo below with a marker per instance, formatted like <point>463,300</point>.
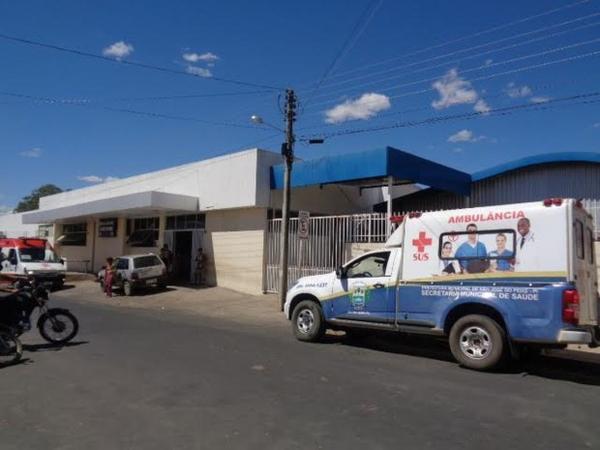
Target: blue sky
<point>287,43</point>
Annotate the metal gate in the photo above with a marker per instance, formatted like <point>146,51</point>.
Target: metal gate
<point>328,245</point>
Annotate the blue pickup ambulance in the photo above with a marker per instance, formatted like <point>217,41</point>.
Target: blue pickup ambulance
<point>494,281</point>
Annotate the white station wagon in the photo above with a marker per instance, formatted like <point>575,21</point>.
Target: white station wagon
<point>135,271</point>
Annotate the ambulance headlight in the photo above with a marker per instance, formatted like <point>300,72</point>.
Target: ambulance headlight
<point>29,272</point>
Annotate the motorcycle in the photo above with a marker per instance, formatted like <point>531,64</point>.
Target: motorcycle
<point>11,349</point>
<point>55,325</point>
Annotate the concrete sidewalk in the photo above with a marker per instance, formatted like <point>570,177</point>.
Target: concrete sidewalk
<point>216,302</point>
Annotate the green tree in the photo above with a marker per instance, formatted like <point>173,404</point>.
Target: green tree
<point>32,201</point>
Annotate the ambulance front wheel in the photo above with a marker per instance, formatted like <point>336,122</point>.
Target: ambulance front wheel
<point>308,321</point>
<point>478,342</point>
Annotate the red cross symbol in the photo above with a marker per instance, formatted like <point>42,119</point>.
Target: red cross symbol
<point>422,242</point>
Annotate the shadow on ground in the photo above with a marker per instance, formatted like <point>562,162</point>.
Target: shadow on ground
<point>550,367</point>
<point>51,347</point>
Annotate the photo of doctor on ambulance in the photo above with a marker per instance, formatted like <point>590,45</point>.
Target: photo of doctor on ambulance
<point>502,247</point>
<point>483,251</point>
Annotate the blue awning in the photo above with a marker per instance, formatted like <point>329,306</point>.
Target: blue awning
<point>374,167</point>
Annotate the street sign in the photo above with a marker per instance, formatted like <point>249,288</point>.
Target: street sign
<point>303,224</point>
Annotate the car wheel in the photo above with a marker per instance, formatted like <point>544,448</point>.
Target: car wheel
<point>478,342</point>
<point>308,321</point>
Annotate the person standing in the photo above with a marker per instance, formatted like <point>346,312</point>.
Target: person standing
<point>167,258</point>
<point>198,272</point>
<point>109,276</point>
<point>527,258</point>
<point>472,254</point>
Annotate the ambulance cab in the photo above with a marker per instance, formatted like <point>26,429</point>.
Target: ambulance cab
<point>31,258</point>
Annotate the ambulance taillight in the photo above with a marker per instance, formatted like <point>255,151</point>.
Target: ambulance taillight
<point>570,306</point>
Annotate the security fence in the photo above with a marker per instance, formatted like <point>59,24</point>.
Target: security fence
<point>329,244</point>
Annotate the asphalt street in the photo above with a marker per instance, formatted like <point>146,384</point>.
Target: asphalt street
<point>141,379</point>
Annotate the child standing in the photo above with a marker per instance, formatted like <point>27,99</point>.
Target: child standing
<point>109,276</point>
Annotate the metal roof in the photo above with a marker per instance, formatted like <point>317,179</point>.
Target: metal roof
<point>546,158</point>
<point>372,168</point>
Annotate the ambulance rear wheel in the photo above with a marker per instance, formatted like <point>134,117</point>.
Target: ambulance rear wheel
<point>478,342</point>
<point>308,322</point>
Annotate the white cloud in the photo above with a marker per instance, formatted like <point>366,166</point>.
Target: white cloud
<point>540,99</point>
<point>465,136</point>
<point>457,150</point>
<point>196,57</point>
<point>514,91</point>
<point>363,108</point>
<point>95,179</point>
<point>34,152</point>
<point>4,209</point>
<point>200,71</point>
<point>488,62</point>
<point>461,136</point>
<point>453,90</point>
<point>596,125</point>
<point>481,106</point>
<point>118,50</point>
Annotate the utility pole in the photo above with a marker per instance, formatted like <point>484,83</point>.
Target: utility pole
<point>287,151</point>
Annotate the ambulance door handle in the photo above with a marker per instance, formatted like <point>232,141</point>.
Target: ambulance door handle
<point>378,285</point>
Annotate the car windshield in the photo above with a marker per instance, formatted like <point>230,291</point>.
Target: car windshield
<point>38,254</point>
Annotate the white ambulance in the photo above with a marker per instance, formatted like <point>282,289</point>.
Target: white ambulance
<point>494,280</point>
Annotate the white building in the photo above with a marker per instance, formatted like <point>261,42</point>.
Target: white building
<point>220,204</point>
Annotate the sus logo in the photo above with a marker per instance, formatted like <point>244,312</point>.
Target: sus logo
<point>421,243</point>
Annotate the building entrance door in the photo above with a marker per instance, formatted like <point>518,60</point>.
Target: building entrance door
<point>182,256</point>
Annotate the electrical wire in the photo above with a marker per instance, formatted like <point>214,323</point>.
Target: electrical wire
<point>70,102</point>
<point>351,40</point>
<point>481,67</point>
<point>487,52</point>
<point>587,97</point>
<point>463,38</point>
<point>495,75</point>
<point>132,63</point>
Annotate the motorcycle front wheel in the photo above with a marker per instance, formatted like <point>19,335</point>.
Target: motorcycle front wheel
<point>58,326</point>
<point>11,349</point>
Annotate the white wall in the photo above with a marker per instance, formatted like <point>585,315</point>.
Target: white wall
<point>234,247</point>
<point>329,199</point>
<point>12,226</point>
<point>224,182</point>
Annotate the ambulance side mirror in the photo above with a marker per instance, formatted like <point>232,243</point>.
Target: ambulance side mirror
<point>340,272</point>
<point>13,261</point>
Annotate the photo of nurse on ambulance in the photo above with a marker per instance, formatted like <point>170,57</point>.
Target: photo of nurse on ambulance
<point>477,251</point>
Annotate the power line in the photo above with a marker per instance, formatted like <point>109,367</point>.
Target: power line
<point>132,63</point>
<point>488,77</point>
<point>485,66</point>
<point>70,102</point>
<point>460,39</point>
<point>487,52</point>
<point>496,94</point>
<point>588,97</point>
<point>185,96</point>
<point>351,40</point>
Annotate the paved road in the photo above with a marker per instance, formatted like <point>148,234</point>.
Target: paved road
<point>156,380</point>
